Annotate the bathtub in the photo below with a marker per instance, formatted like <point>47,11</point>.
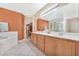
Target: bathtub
<point>7,41</point>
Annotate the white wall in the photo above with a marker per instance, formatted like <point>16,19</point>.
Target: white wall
<point>28,20</point>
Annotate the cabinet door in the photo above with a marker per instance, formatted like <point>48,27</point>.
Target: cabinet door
<point>50,46</point>
<point>34,38</point>
<point>40,42</point>
<point>65,48</point>
<point>77,48</point>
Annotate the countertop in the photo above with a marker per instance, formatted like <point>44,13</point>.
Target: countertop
<point>70,36</point>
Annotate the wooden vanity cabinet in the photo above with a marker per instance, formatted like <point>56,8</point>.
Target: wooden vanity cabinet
<point>50,46</point>
<point>65,47</point>
<point>34,38</point>
<point>60,47</point>
<point>54,46</point>
<point>41,42</point>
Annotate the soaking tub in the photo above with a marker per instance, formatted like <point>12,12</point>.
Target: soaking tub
<point>7,41</point>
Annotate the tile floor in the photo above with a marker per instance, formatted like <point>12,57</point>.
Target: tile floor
<point>25,48</point>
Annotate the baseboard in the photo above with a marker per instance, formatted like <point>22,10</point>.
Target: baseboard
<point>21,40</point>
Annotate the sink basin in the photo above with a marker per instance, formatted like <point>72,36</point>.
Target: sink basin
<point>56,33</point>
<point>61,33</point>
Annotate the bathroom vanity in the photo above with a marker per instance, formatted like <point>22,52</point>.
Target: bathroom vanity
<point>56,44</point>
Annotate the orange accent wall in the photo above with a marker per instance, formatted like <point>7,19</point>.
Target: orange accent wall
<point>41,24</point>
<point>15,21</point>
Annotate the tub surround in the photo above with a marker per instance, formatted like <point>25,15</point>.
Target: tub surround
<point>56,43</point>
<point>8,40</point>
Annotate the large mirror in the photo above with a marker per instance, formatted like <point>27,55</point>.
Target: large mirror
<point>56,25</point>
<point>64,19</point>
<point>71,26</point>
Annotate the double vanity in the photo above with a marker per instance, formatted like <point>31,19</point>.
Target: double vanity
<point>62,32</point>
<point>56,43</point>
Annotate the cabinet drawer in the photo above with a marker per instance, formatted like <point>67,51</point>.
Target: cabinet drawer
<point>33,38</point>
<point>40,44</point>
<point>40,36</point>
<point>40,47</point>
<point>40,39</point>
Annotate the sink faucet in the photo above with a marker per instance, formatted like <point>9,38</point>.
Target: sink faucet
<point>60,33</point>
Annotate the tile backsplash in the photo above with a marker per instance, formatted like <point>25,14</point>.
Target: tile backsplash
<point>3,26</point>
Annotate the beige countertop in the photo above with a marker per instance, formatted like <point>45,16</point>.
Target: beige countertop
<point>70,36</point>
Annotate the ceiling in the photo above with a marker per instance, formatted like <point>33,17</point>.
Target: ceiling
<point>28,9</point>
